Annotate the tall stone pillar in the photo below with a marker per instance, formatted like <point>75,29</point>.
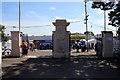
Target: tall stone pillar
<point>16,41</point>
<point>0,58</point>
<point>61,39</point>
<point>107,41</point>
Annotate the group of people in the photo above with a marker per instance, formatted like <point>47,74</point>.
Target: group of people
<point>78,46</point>
<point>32,46</point>
<point>42,45</point>
<point>83,47</point>
<point>25,46</point>
<point>45,46</point>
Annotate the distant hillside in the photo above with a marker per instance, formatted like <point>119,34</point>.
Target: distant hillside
<point>77,33</point>
<point>77,36</point>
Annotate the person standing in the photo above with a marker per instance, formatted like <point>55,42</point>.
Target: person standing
<point>98,48</point>
<point>24,48</point>
<point>77,46</point>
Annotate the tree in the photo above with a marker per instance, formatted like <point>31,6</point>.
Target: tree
<point>103,6</point>
<point>2,27</point>
<point>75,33</point>
<point>114,17</point>
<point>77,36</point>
<point>2,34</point>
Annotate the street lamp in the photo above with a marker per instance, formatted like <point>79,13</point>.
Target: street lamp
<point>86,18</point>
<point>19,16</point>
<point>104,20</point>
<point>104,8</point>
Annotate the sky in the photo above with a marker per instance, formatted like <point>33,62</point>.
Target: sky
<point>37,17</point>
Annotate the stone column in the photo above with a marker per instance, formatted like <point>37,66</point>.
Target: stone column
<point>16,41</point>
<point>107,41</point>
<point>61,39</point>
<point>0,59</point>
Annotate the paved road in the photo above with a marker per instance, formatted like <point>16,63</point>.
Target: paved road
<point>42,54</point>
<point>37,66</point>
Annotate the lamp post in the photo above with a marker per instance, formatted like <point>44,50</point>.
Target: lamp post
<point>104,20</point>
<point>0,57</point>
<point>19,16</point>
<point>86,18</point>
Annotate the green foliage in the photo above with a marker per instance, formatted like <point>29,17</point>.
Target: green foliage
<point>103,5</point>
<point>2,34</point>
<point>2,27</point>
<point>75,33</point>
<point>77,37</point>
<point>114,16</point>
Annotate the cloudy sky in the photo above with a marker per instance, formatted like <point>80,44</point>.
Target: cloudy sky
<point>37,17</point>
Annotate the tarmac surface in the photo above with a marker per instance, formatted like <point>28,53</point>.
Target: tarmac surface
<point>40,65</point>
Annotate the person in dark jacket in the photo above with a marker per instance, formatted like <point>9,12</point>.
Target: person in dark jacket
<point>77,47</point>
<point>24,48</point>
<point>98,49</point>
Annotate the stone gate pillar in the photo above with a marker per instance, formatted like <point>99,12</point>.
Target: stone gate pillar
<point>0,58</point>
<point>61,39</point>
<point>107,42</point>
<point>16,41</point>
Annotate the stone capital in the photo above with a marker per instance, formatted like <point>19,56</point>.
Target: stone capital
<point>61,23</point>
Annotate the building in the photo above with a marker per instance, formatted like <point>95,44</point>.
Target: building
<point>42,39</point>
<point>41,42</point>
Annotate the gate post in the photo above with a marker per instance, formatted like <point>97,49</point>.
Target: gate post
<point>61,39</point>
<point>0,58</point>
<point>16,41</point>
<point>107,41</point>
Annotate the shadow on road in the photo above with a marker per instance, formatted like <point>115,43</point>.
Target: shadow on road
<point>63,68</point>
